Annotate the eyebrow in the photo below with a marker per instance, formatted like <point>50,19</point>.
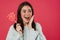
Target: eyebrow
<point>25,9</point>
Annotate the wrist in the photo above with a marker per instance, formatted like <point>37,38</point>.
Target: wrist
<point>30,27</point>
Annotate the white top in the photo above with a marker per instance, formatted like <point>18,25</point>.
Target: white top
<point>28,34</point>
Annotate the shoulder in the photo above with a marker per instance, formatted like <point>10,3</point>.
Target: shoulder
<point>38,26</point>
<point>11,29</point>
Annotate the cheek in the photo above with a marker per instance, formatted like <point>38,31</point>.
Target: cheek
<point>22,15</point>
<point>30,14</point>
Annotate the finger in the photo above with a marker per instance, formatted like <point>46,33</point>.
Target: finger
<point>17,24</point>
<point>18,27</point>
<point>31,20</point>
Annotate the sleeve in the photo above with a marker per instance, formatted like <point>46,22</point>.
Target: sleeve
<point>13,34</point>
<point>40,35</point>
<point>29,34</point>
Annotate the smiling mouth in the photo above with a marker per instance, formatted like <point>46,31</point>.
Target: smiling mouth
<point>28,18</point>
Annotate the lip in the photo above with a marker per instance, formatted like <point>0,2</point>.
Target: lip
<point>27,18</point>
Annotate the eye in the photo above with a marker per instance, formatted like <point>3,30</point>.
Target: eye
<point>29,11</point>
<point>24,11</point>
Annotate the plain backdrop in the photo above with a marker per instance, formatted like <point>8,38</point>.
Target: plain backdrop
<point>46,13</point>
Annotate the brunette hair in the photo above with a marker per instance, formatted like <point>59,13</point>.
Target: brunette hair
<point>19,19</point>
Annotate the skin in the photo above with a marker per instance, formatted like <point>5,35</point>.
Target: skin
<point>26,12</point>
<point>26,15</point>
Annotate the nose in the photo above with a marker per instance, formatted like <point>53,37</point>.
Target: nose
<point>27,13</point>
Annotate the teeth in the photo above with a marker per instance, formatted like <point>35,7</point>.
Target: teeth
<point>27,17</point>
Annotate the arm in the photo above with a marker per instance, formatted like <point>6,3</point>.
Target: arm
<point>40,35</point>
<point>13,34</point>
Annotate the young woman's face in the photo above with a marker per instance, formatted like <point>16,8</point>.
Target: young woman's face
<point>26,13</point>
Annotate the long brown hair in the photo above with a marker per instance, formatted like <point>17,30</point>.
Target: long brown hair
<point>19,19</point>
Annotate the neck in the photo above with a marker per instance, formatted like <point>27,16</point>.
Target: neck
<point>25,23</point>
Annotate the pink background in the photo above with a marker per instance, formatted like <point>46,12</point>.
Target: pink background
<point>46,13</point>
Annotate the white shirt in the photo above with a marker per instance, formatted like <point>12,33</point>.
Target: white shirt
<point>28,34</point>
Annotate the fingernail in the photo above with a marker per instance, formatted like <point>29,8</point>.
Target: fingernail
<point>33,15</point>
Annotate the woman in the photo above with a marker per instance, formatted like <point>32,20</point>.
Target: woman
<point>25,28</point>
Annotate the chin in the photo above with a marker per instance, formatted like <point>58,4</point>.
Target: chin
<point>27,21</point>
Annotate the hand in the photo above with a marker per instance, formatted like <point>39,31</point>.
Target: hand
<point>30,23</point>
<point>18,28</point>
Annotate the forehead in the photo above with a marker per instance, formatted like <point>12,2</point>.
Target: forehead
<point>26,7</point>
